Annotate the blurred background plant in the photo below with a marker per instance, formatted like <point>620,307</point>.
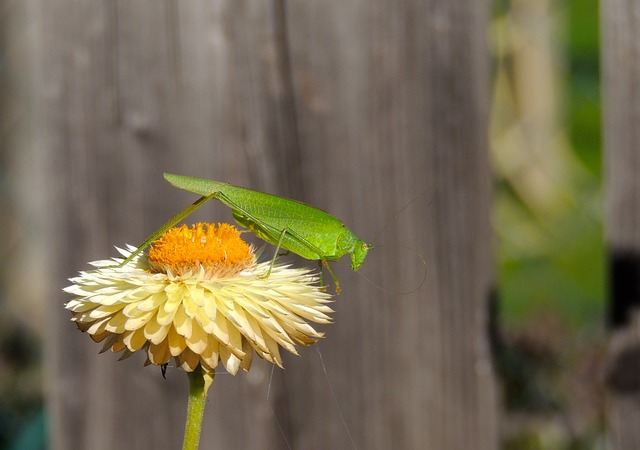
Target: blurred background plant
<point>546,148</point>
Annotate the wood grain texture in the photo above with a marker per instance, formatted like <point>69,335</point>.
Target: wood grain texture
<point>354,107</point>
<point>621,93</point>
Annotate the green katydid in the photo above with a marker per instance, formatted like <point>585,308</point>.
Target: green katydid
<point>294,226</point>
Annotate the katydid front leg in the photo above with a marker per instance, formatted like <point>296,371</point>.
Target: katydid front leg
<point>174,220</point>
<point>275,254</point>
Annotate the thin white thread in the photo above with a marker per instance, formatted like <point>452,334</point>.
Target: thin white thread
<point>335,399</point>
<point>284,436</point>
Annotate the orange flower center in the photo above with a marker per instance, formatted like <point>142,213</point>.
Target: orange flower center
<point>218,249</point>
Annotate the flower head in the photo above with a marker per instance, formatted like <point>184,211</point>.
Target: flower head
<point>199,297</point>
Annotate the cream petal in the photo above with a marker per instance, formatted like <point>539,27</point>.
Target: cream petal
<point>133,323</point>
<point>177,343</point>
<point>169,309</point>
<point>99,326</point>
<point>85,318</point>
<point>182,323</point>
<point>152,302</point>
<point>80,306</point>
<point>198,340</point>
<point>188,360</point>
<point>117,323</point>
<point>197,295</point>
<point>221,330</point>
<point>118,346</point>
<point>104,311</point>
<point>235,341</point>
<point>135,340</point>
<point>210,307</point>
<point>275,332</point>
<point>245,364</point>
<point>159,353</point>
<point>204,321</point>
<point>155,332</point>
<point>239,319</point>
<point>210,353</point>
<point>229,360</point>
<point>274,351</point>
<point>190,307</point>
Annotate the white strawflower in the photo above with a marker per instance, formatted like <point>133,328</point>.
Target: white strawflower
<point>199,297</point>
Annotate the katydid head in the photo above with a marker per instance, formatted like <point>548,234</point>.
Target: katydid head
<point>360,251</point>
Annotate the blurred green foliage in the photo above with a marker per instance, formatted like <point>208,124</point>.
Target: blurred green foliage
<point>583,116</point>
<point>552,259</point>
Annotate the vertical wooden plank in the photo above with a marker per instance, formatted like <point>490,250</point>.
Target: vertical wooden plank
<point>392,100</point>
<point>621,93</point>
<point>104,124</point>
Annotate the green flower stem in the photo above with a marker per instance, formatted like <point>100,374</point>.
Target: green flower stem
<point>199,383</point>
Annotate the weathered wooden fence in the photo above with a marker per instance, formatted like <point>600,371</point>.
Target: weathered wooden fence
<point>356,107</point>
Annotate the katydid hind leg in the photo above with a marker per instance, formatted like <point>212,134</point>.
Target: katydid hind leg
<point>171,222</point>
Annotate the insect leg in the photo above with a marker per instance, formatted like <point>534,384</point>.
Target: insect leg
<point>174,220</point>
<point>323,286</point>
<point>275,254</point>
<point>333,275</point>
